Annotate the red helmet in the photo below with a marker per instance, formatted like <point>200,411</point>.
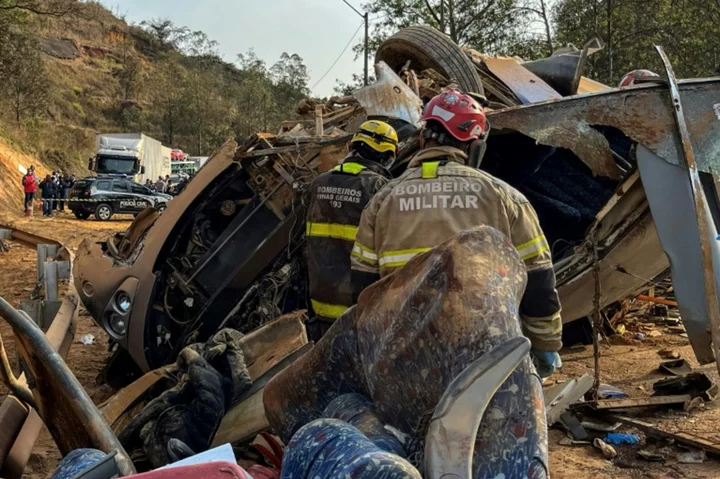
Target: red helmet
<point>631,78</point>
<point>460,114</point>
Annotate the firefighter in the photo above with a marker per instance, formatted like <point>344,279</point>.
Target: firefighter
<point>439,196</point>
<point>336,203</point>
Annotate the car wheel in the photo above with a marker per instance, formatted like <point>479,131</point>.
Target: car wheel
<point>103,212</point>
<point>161,208</point>
<point>81,215</point>
<point>426,48</point>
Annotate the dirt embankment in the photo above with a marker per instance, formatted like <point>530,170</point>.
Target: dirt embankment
<point>12,167</point>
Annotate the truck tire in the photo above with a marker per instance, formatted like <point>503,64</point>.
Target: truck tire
<point>103,212</point>
<point>427,48</point>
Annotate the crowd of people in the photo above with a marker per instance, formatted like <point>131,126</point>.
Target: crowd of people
<point>54,190</point>
<point>165,185</point>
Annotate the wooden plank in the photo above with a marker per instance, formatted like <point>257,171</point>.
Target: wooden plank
<point>300,147</point>
<point>127,397</point>
<point>712,447</point>
<point>641,402</point>
<point>246,421</point>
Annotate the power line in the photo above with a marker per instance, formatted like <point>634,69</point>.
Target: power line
<point>339,56</point>
<point>356,10</point>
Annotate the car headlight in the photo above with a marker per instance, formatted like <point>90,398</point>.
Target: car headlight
<point>123,302</point>
<point>118,324</point>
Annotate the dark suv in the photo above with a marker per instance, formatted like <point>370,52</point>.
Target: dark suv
<point>105,196</point>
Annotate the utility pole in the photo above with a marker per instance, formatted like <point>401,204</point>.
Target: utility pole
<point>367,47</point>
<point>366,19</point>
<point>442,16</point>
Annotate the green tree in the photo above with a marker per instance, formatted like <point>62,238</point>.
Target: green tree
<point>255,99</point>
<point>689,30</point>
<point>491,26</point>
<point>23,78</point>
<point>290,80</point>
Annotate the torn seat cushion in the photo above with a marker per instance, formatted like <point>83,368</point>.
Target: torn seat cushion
<point>413,332</point>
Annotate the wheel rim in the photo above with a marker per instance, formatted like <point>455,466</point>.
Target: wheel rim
<point>104,212</point>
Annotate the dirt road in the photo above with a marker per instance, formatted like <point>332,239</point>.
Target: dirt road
<point>628,364</point>
<point>18,267</point>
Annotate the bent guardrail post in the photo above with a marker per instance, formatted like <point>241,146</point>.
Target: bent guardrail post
<point>66,409</point>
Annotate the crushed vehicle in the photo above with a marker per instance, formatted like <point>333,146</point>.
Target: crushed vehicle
<point>622,181</point>
<point>595,162</point>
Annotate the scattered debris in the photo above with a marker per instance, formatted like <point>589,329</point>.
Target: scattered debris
<point>607,450</point>
<point>605,404</point>
<point>668,353</point>
<point>642,297</point>
<point>622,438</point>
<point>696,456</point>
<point>677,367</point>
<point>676,329</point>
<point>571,423</point>
<point>708,445</point>
<point>600,426</point>
<point>86,339</point>
<point>605,391</point>
<point>566,441</point>
<point>558,398</point>
<point>693,384</point>
<point>651,455</point>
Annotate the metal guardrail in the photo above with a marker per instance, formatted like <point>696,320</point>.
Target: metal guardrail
<point>60,401</point>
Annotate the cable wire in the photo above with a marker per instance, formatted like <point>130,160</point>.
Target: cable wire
<point>339,56</point>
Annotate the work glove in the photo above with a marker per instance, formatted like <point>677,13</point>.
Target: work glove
<point>546,362</point>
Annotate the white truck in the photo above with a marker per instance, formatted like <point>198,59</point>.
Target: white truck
<point>133,154</point>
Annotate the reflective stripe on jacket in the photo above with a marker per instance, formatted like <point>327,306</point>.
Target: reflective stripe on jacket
<point>337,200</point>
<point>439,196</point>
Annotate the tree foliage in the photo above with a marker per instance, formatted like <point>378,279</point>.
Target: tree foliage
<point>689,30</point>
<point>491,26</point>
<point>23,80</point>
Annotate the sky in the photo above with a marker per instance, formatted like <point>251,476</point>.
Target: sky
<point>317,30</point>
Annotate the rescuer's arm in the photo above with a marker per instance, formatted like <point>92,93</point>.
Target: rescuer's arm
<point>364,258</point>
<point>540,305</point>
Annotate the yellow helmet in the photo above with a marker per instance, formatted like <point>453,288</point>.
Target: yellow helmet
<point>378,135</point>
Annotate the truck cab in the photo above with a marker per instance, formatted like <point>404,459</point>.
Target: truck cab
<point>117,160</point>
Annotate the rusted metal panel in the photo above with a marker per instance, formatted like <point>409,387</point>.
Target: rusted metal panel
<point>390,97</point>
<point>644,113</point>
<point>527,86</point>
<point>703,219</point>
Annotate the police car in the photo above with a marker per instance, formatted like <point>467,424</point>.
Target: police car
<point>104,196</point>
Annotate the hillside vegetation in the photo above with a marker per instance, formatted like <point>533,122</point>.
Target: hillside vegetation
<point>72,69</point>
